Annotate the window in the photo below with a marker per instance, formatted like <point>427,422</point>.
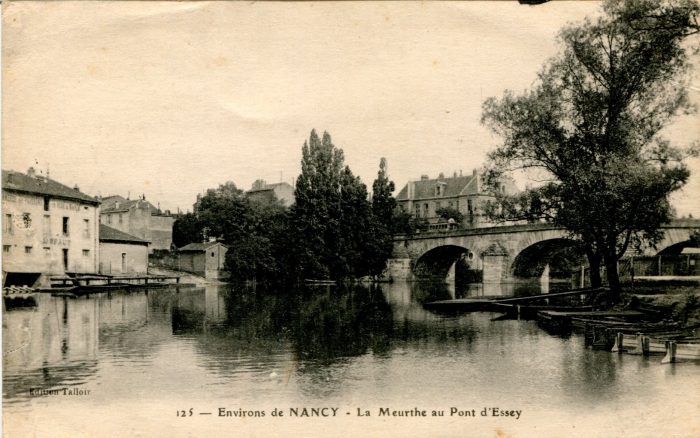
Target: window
<point>27,220</point>
<point>47,203</point>
<point>426,208</point>
<point>65,259</point>
<point>86,253</point>
<point>66,230</point>
<point>47,251</point>
<point>86,227</point>
<point>7,226</point>
<point>438,204</point>
<point>109,219</point>
<point>27,249</point>
<point>6,248</point>
<point>438,190</point>
<point>120,218</point>
<point>417,210</point>
<point>213,254</point>
<point>469,205</point>
<point>47,225</point>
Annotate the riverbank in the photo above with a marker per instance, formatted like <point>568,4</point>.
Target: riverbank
<point>672,302</point>
<point>185,277</point>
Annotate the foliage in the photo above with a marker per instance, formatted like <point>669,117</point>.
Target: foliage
<point>335,231</point>
<point>383,209</point>
<point>591,127</point>
<point>695,238</point>
<point>187,228</point>
<point>448,213</point>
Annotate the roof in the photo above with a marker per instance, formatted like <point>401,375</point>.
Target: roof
<point>199,246</point>
<point>109,234</point>
<point>690,250</point>
<point>454,186</point>
<point>109,205</point>
<point>41,186</point>
<point>270,187</point>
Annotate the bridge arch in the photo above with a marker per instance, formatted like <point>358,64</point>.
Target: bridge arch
<point>561,254</point>
<point>437,261</point>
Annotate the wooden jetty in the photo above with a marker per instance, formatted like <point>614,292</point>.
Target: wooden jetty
<point>99,283</point>
<point>104,280</point>
<point>681,350</point>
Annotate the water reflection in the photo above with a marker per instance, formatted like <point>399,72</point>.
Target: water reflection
<point>374,344</point>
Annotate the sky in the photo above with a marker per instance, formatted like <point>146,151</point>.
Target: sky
<point>167,99</point>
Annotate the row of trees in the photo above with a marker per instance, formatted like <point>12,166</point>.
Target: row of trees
<point>332,231</point>
<point>592,125</point>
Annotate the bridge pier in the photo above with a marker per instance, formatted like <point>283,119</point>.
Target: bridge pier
<point>399,269</point>
<point>495,265</point>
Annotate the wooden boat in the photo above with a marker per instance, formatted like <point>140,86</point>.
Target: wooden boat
<point>313,282</point>
<point>484,303</point>
<point>681,350</point>
<point>17,297</point>
<point>526,311</point>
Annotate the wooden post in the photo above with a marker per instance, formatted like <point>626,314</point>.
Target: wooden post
<point>645,345</point>
<point>632,271</point>
<point>670,357</point>
<point>659,266</point>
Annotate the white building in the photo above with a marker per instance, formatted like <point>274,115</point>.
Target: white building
<point>48,228</point>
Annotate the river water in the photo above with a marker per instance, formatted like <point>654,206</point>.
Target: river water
<point>135,360</point>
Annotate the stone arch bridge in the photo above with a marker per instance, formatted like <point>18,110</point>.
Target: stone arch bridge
<point>495,251</point>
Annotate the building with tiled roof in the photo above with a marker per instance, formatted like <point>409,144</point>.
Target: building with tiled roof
<point>207,259</point>
<point>48,228</point>
<point>466,194</point>
<point>122,253</point>
<point>139,218</point>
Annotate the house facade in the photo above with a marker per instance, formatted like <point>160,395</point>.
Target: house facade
<point>138,218</point>
<point>466,194</point>
<point>122,253</point>
<point>204,259</point>
<point>48,228</point>
<point>263,192</point>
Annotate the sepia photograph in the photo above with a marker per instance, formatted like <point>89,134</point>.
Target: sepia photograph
<point>351,218</point>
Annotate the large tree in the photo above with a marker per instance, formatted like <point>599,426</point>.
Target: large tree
<point>591,128</point>
<point>383,210</point>
<point>332,220</point>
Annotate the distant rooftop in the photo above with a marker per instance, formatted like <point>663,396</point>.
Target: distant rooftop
<point>199,246</point>
<point>116,203</point>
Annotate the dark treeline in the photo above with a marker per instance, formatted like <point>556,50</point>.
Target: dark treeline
<point>332,231</point>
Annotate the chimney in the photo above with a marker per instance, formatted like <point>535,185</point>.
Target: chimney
<point>411,189</point>
<point>31,172</point>
<point>454,175</point>
<point>441,176</point>
<point>424,177</point>
<point>76,188</point>
<point>474,172</point>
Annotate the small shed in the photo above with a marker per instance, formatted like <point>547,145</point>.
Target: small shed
<point>204,259</point>
<point>122,253</point>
